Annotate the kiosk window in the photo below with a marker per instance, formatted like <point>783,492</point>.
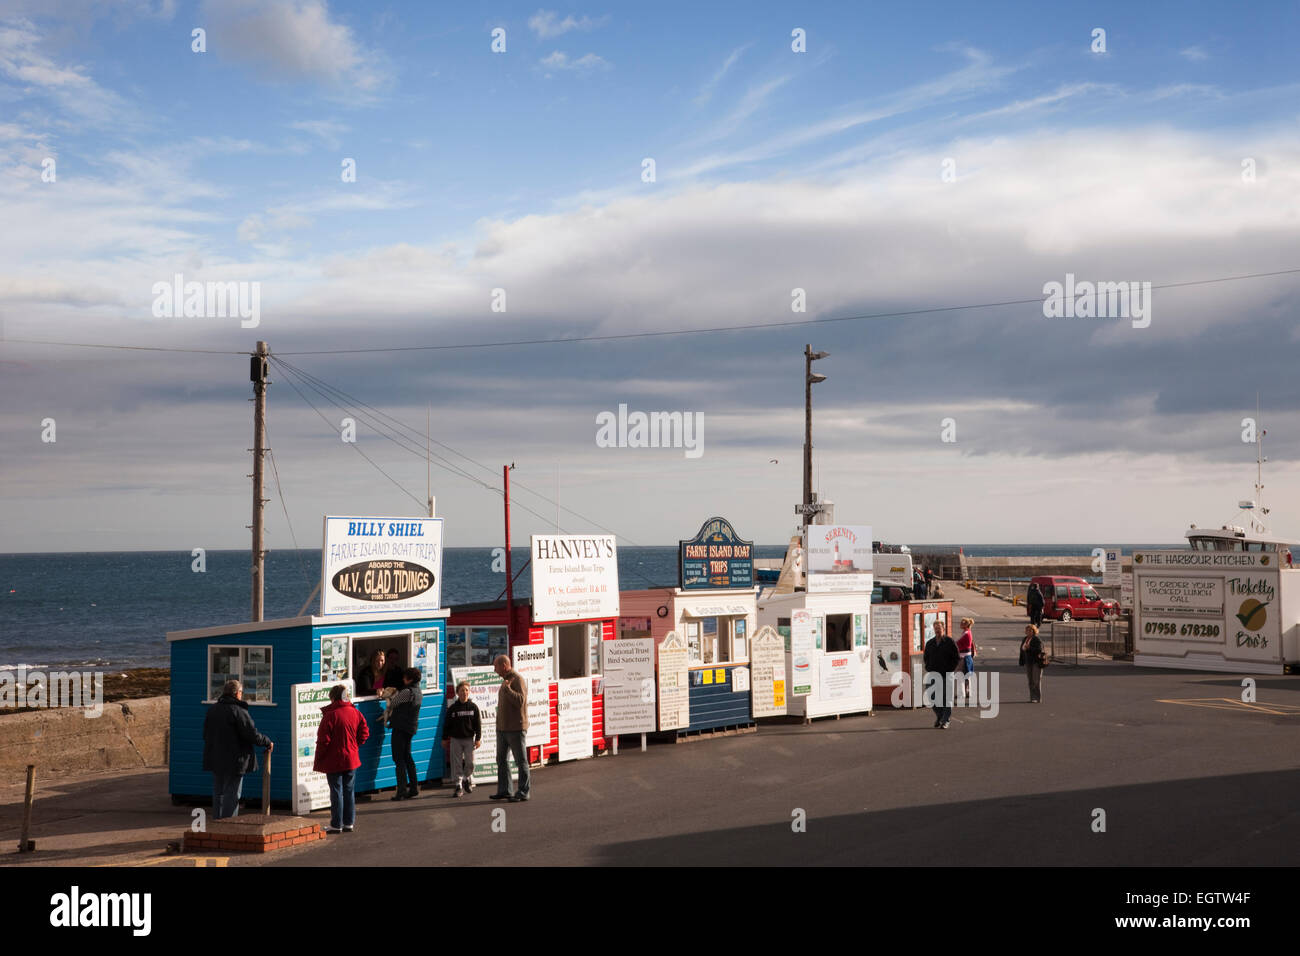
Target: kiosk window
<point>783,628</point>
<point>595,631</point>
<point>363,650</point>
<point>693,642</point>
<point>573,650</point>
<point>251,666</point>
<point>839,632</point>
<point>458,647</point>
<point>711,642</point>
<point>740,629</point>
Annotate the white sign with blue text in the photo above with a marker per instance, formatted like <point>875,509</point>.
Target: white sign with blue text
<point>381,565</point>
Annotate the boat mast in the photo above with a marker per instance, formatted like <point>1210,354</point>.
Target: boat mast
<point>1258,523</point>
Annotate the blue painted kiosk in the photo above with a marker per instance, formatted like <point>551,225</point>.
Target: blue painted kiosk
<point>365,569</point>
<point>270,658</point>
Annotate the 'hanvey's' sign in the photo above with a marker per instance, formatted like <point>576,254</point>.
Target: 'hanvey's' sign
<point>381,565</point>
<point>716,558</point>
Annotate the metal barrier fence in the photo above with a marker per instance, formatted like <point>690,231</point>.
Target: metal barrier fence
<point>1079,642</point>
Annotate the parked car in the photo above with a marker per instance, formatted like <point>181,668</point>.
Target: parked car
<point>1066,599</point>
<point>889,594</point>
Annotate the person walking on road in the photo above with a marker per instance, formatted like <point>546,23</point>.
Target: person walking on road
<point>1034,604</point>
<point>461,736</point>
<point>341,733</point>
<point>229,737</point>
<point>966,665</point>
<point>1034,659</point>
<point>404,719</point>
<point>512,731</point>
<point>941,657</point>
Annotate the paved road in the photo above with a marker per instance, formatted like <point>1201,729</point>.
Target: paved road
<point>1211,782</point>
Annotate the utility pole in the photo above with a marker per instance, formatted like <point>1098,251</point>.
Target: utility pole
<point>257,374</point>
<point>510,577</point>
<point>810,378</point>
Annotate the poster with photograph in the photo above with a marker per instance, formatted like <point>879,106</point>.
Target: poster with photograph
<point>839,558</point>
<point>310,789</point>
<point>887,628</point>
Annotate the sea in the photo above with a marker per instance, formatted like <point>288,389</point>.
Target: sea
<point>112,610</point>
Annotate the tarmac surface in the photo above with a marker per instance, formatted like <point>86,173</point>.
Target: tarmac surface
<point>1183,771</point>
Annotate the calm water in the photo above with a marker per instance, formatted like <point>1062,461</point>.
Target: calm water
<point>113,609</point>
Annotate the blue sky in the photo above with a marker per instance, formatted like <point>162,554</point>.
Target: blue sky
<point>774,169</point>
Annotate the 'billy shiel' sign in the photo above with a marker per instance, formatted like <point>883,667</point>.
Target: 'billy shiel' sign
<point>380,565</point>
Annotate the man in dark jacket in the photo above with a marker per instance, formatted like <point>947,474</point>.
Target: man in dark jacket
<point>404,719</point>
<point>941,657</point>
<point>228,741</point>
<point>1034,604</point>
<point>339,738</point>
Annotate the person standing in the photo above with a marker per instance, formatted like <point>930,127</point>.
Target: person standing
<point>512,731</point>
<point>338,741</point>
<point>404,719</point>
<point>966,663</point>
<point>941,656</point>
<point>1033,658</point>
<point>229,737</point>
<point>462,735</point>
<point>1034,604</point>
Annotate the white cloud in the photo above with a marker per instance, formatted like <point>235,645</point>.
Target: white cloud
<point>547,23</point>
<point>585,63</point>
<point>327,131</point>
<point>69,87</point>
<point>1194,53</point>
<point>295,39</point>
<point>706,91</point>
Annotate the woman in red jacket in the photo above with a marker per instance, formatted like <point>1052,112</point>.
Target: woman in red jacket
<point>342,732</point>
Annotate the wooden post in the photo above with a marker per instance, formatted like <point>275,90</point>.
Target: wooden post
<point>258,375</point>
<point>616,745</point>
<point>266,786</point>
<point>643,743</point>
<point>26,845</point>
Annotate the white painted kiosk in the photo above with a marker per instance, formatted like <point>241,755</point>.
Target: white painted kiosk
<point>827,627</point>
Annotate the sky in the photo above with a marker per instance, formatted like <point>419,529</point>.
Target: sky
<point>483,215</point>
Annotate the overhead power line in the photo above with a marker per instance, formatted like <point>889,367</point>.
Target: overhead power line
<point>614,337</point>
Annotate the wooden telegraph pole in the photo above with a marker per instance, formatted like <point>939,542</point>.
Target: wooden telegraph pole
<point>257,373</point>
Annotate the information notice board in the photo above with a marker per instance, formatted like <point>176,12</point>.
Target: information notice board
<point>674,686</point>
<point>629,669</point>
<point>767,667</point>
<point>574,718</point>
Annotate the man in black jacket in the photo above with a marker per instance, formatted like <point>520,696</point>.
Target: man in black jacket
<point>941,657</point>
<point>228,741</point>
<point>404,719</point>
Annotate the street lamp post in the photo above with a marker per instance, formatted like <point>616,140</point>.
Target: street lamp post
<point>810,378</point>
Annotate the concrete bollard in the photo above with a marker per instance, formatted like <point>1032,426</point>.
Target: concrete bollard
<point>26,845</point>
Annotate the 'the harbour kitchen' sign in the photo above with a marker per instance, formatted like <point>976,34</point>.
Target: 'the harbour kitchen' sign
<point>380,565</point>
<point>575,577</point>
<point>716,558</point>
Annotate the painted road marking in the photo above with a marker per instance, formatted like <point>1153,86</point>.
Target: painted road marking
<point>176,860</point>
<point>1235,704</point>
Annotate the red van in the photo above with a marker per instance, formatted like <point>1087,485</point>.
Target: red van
<point>1066,599</point>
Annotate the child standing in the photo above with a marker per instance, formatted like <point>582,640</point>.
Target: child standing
<point>462,734</point>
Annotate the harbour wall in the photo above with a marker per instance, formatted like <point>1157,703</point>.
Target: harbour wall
<point>128,734</point>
